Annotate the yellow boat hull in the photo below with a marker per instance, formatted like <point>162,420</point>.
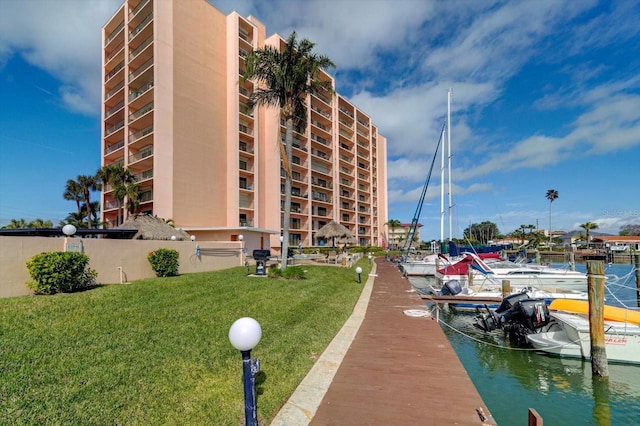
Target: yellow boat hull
<point>611,313</point>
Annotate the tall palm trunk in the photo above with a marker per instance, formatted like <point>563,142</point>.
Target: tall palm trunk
<point>287,191</point>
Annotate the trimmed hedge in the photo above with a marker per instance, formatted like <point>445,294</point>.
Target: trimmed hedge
<point>60,272</point>
<point>164,262</point>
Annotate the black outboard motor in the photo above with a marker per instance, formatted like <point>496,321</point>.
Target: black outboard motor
<point>261,257</point>
<point>518,313</point>
<point>451,288</point>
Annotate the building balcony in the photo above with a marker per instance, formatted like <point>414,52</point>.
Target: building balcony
<point>141,155</point>
<point>114,71</point>
<point>139,10</point>
<point>110,92</point>
<point>141,26</point>
<point>140,91</point>
<point>140,112</point>
<point>135,52</point>
<point>117,31</point>
<point>108,149</point>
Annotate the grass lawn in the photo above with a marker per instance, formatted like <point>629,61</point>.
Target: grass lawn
<point>157,351</point>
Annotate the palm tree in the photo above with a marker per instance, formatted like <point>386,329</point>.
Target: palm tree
<point>132,192</point>
<point>16,224</point>
<point>88,183</point>
<point>119,179</point>
<point>287,77</point>
<point>393,224</point>
<point>95,211</point>
<point>75,219</point>
<point>73,192</point>
<point>587,227</point>
<point>552,195</point>
<point>39,223</point>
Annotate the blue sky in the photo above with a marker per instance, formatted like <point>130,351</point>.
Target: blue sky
<point>546,95</point>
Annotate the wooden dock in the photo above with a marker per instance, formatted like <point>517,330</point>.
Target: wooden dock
<point>400,368</point>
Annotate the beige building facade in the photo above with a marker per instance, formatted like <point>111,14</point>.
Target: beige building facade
<point>174,113</point>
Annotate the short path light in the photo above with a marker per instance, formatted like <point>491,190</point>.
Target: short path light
<point>359,272</point>
<point>244,335</point>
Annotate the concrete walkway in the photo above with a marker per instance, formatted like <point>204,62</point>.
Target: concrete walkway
<point>390,364</point>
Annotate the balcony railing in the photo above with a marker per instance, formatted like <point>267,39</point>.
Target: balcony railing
<point>145,196</point>
<point>140,133</point>
<point>114,33</point>
<point>346,111</point>
<point>133,74</point>
<point>320,111</point>
<point>245,37</point>
<point>140,91</point>
<point>113,147</point>
<point>139,113</point>
<point>320,154</point>
<point>109,205</point>
<point>137,9</point>
<point>140,48</point>
<point>142,24</point>
<point>109,130</point>
<point>317,138</point>
<point>108,113</point>
<point>147,174</point>
<point>114,71</point>
<point>114,52</point>
<point>114,90</point>
<point>147,152</point>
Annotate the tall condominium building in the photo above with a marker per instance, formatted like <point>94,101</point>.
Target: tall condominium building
<point>174,112</point>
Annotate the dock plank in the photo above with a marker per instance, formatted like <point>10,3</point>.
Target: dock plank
<point>400,369</point>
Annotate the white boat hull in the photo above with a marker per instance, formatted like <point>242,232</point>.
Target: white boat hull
<point>549,282</point>
<point>572,339</point>
<point>418,269</point>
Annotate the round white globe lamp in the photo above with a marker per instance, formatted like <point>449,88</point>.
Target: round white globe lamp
<point>68,230</point>
<point>359,272</point>
<point>244,335</point>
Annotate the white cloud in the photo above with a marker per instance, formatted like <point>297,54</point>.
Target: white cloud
<point>62,37</point>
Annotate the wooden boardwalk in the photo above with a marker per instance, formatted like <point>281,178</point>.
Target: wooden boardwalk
<point>400,369</point>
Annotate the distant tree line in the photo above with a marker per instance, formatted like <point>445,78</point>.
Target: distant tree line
<point>125,189</point>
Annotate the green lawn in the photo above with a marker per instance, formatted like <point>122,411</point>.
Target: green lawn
<point>156,351</point>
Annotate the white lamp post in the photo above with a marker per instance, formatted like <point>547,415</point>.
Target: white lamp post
<point>69,230</point>
<point>359,272</point>
<point>241,239</point>
<point>244,335</point>
<point>173,238</point>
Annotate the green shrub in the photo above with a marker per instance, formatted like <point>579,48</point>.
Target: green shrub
<point>289,273</point>
<point>60,272</point>
<point>164,262</point>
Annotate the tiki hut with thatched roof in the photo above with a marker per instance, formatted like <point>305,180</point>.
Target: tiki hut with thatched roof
<point>334,230</point>
<point>153,228</point>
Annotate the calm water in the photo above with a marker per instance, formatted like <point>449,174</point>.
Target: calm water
<point>511,380</point>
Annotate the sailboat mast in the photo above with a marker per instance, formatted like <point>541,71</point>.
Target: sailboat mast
<point>449,165</point>
<point>442,189</point>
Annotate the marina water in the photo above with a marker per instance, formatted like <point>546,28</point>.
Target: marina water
<point>513,379</point>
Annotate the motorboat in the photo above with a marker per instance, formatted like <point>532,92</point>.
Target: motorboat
<point>476,296</point>
<point>564,333</point>
<point>474,270</point>
<point>569,337</point>
<point>422,266</point>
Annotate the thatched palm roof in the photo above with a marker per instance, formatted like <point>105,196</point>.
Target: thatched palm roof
<point>333,230</point>
<point>153,228</point>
